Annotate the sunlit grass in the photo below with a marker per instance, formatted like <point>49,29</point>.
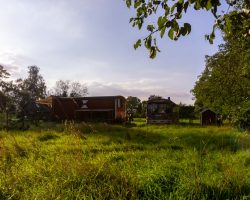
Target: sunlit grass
<point>139,161</point>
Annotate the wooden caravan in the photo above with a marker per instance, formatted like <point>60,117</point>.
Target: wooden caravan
<point>102,108</point>
<point>162,111</point>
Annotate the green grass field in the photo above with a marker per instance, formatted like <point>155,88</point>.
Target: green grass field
<point>102,161</point>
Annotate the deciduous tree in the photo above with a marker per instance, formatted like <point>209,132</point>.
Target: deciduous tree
<point>224,84</point>
<point>133,103</point>
<point>68,88</point>
<point>78,90</point>
<point>34,84</point>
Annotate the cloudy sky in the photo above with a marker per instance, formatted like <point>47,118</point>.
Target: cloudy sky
<point>91,41</point>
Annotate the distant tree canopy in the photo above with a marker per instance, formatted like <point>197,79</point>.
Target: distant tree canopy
<point>34,83</point>
<point>3,75</point>
<point>224,84</point>
<point>4,89</point>
<point>186,111</point>
<point>67,88</point>
<point>15,95</point>
<point>136,107</point>
<point>29,89</point>
<point>167,15</point>
<point>133,104</point>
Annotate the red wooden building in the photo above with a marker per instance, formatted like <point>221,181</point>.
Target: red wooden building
<point>102,108</point>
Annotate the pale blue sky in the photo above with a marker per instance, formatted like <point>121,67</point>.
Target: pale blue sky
<point>91,41</point>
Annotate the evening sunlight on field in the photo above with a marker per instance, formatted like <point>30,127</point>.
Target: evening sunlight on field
<point>125,99</point>
<point>136,161</point>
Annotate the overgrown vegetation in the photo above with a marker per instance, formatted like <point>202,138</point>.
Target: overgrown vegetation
<point>102,161</point>
<point>224,85</point>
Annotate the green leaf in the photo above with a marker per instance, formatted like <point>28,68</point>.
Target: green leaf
<point>148,42</point>
<point>173,7</point>
<point>183,31</point>
<point>187,26</point>
<point>186,6</point>
<point>150,27</point>
<point>139,23</point>
<point>150,11</point>
<point>137,44</point>
<point>159,21</point>
<point>137,4</point>
<point>167,10</point>
<point>163,30</point>
<point>175,25</point>
<point>197,5</point>
<point>168,24</point>
<point>156,2</point>
<point>153,52</point>
<point>171,33</point>
<point>179,7</point>
<point>209,5</point>
<point>128,2</point>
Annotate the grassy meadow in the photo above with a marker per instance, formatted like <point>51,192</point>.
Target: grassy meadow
<point>137,161</point>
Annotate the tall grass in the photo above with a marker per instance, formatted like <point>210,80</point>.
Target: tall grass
<point>139,161</point>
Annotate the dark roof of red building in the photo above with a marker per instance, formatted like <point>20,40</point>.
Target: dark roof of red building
<point>87,97</point>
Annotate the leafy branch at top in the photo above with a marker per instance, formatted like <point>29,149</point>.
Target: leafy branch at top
<point>168,16</point>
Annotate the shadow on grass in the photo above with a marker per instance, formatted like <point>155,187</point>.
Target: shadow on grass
<point>121,134</point>
<point>47,136</point>
<point>201,139</point>
<point>233,191</point>
<point>176,138</point>
<point>164,187</point>
<point>212,141</point>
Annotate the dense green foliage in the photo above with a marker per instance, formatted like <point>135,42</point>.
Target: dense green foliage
<point>3,98</point>
<point>101,161</point>
<point>165,16</point>
<point>34,84</point>
<point>186,111</point>
<point>20,92</point>
<point>224,85</point>
<point>135,106</point>
<point>15,95</point>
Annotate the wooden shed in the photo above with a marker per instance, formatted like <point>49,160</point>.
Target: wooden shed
<point>208,117</point>
<point>162,111</point>
<point>100,108</point>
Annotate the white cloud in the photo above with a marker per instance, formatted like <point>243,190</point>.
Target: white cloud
<point>92,42</point>
<point>140,88</point>
<point>14,63</point>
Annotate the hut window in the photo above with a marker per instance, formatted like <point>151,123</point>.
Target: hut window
<point>118,103</point>
<point>162,108</point>
<point>152,108</point>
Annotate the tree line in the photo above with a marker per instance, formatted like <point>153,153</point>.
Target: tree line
<point>15,95</point>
